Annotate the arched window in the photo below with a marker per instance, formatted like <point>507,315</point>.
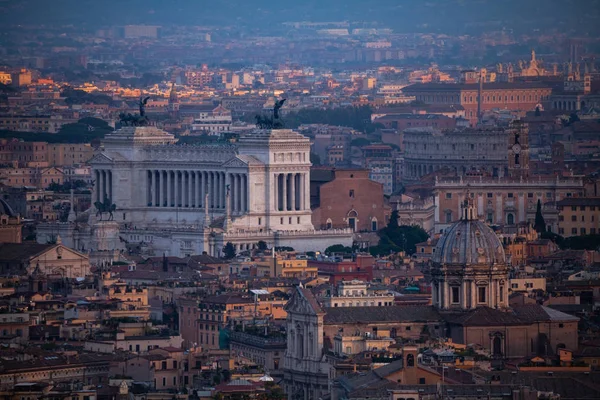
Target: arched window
<point>329,223</point>
<point>374,224</point>
<point>510,219</point>
<point>448,217</point>
<point>352,219</point>
<point>410,360</point>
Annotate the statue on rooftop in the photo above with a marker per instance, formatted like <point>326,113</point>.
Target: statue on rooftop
<point>274,122</point>
<point>128,119</point>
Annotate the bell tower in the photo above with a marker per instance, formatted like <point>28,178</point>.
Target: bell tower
<point>518,150</point>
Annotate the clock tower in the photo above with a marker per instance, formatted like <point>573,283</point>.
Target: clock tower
<point>518,150</point>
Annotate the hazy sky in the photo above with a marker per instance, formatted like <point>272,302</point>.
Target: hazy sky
<point>453,16</point>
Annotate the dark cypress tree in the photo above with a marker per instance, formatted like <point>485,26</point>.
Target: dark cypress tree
<point>540,224</point>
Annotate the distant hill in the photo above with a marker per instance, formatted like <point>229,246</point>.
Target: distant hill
<point>450,16</point>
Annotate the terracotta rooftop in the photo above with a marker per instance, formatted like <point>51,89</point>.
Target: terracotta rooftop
<point>341,315</point>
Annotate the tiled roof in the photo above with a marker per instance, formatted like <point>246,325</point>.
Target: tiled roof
<point>484,316</point>
<point>474,86</point>
<point>340,315</point>
<point>22,251</point>
<point>579,201</point>
<point>520,315</point>
<point>312,300</point>
<point>535,312</point>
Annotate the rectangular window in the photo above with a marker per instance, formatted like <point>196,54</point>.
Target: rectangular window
<point>490,195</point>
<point>351,193</point>
<point>455,295</point>
<point>448,195</point>
<point>510,195</point>
<point>501,293</point>
<point>573,218</point>
<point>530,195</point>
<point>573,208</point>
<point>481,294</point>
<point>574,231</point>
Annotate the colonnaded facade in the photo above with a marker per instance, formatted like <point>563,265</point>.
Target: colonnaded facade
<point>186,199</point>
<point>481,150</point>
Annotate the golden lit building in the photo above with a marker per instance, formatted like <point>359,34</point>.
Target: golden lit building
<point>69,154</point>
<point>504,202</point>
<point>10,224</point>
<point>288,266</point>
<point>579,216</point>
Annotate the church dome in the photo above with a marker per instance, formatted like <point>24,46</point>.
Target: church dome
<point>469,242</point>
<point>5,209</point>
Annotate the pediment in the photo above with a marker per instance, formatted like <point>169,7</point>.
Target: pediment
<point>235,162</point>
<point>100,158</point>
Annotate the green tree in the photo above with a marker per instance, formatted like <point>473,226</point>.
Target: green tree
<point>393,222</point>
<point>315,159</point>
<point>395,238</point>
<point>262,245</point>
<point>584,242</point>
<point>360,142</point>
<point>540,224</point>
<point>338,248</point>
<point>228,251</point>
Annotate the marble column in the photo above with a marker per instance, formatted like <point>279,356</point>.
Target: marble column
<point>102,185</point>
<point>275,195</point>
<point>238,189</point>
<point>212,189</point>
<point>284,192</point>
<point>203,188</point>
<point>169,186</point>
<point>292,192</point>
<point>190,188</point>
<point>223,190</point>
<point>150,187</point>
<point>110,190</point>
<point>198,189</point>
<point>244,193</point>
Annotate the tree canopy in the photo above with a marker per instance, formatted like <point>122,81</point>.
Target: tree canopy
<point>358,118</point>
<point>83,131</point>
<point>395,238</point>
<point>228,251</point>
<point>74,96</point>
<point>338,248</point>
<point>540,224</point>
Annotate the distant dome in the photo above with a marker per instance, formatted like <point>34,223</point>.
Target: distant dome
<point>469,242</point>
<point>5,209</point>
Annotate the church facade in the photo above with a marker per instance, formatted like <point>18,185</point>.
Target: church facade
<point>186,199</point>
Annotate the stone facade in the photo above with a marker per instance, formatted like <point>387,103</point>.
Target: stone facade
<point>469,266</point>
<point>503,201</point>
<point>350,199</point>
<point>462,150</point>
<point>306,372</point>
<point>184,200</point>
<point>517,96</point>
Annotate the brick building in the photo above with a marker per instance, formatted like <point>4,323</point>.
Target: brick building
<point>579,216</point>
<point>348,197</point>
<point>517,96</point>
<point>13,151</point>
<point>343,270</point>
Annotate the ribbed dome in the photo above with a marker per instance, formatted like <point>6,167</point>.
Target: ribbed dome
<point>5,209</point>
<point>469,242</point>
